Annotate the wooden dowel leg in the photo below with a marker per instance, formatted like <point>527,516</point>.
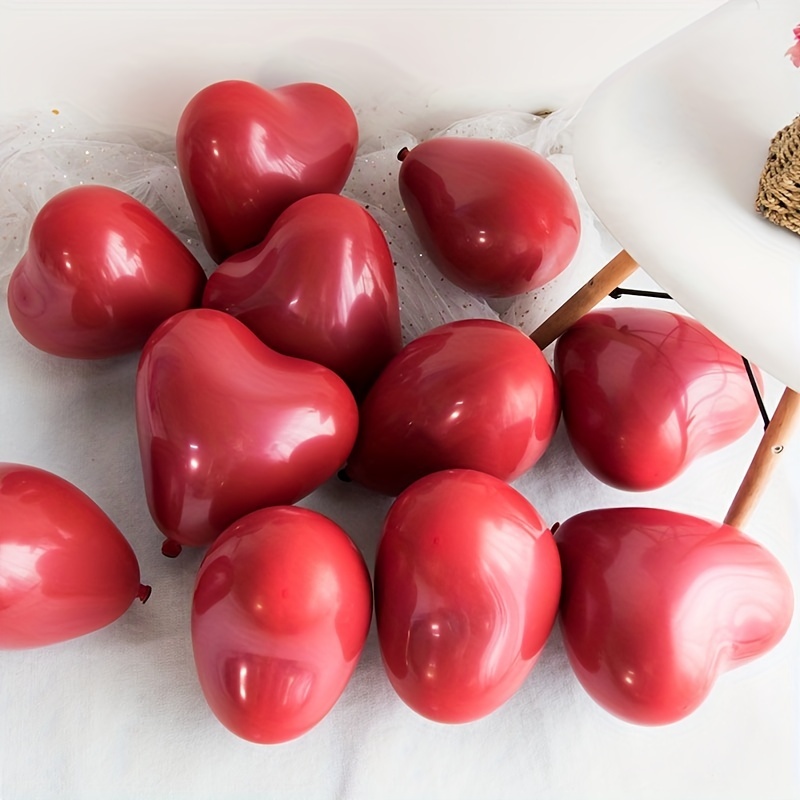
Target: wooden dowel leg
<point>585,299</point>
<point>765,459</point>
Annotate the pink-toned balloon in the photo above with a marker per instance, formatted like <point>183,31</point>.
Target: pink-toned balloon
<point>472,394</point>
<point>282,607</point>
<point>245,154</point>
<point>65,569</point>
<point>645,392</point>
<point>227,426</point>
<point>467,582</point>
<point>101,272</point>
<point>321,286</point>
<point>657,604</point>
<point>496,218</point>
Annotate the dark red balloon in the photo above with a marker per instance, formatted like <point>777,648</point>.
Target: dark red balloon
<point>245,154</point>
<point>656,605</point>
<point>473,394</point>
<point>467,582</point>
<point>496,218</point>
<point>227,425</point>
<point>65,569</point>
<point>282,607</point>
<point>100,274</point>
<point>647,391</point>
<point>321,286</point>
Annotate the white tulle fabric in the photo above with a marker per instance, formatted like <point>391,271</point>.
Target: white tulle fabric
<point>49,151</point>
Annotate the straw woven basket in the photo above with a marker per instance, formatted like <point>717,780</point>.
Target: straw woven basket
<point>779,187</point>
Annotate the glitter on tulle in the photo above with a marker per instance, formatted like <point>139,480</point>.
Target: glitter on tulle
<point>43,153</point>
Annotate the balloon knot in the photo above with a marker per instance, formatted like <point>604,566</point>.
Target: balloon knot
<point>171,548</point>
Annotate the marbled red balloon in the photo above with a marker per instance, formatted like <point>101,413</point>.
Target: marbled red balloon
<point>495,217</point>
<point>321,286</point>
<point>647,391</point>
<point>101,272</point>
<point>245,154</point>
<point>65,568</point>
<point>228,426</point>
<point>472,394</point>
<point>467,582</point>
<point>657,604</point>
<point>281,611</point>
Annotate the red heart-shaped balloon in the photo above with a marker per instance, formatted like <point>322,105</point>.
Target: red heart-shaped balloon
<point>65,568</point>
<point>496,218</point>
<point>321,286</point>
<point>656,604</point>
<point>472,394</point>
<point>282,607</point>
<point>647,391</point>
<point>467,582</point>
<point>245,154</point>
<point>227,426</point>
<point>101,272</point>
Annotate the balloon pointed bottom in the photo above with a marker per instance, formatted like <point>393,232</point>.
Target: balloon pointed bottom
<point>144,592</point>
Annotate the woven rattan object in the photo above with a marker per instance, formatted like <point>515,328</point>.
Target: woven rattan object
<point>779,188</point>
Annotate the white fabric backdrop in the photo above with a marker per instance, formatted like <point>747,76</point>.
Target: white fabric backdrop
<point>119,713</point>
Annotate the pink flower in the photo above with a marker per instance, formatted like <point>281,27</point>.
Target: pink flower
<point>794,51</point>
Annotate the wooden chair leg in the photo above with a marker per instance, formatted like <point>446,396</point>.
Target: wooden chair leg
<point>764,461</point>
<point>585,299</point>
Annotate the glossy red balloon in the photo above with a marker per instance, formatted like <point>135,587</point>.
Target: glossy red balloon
<point>245,154</point>
<point>100,274</point>
<point>65,569</point>
<point>657,604</point>
<point>282,607</point>
<point>227,426</point>
<point>496,218</point>
<point>467,582</point>
<point>646,391</point>
<point>473,394</point>
<point>321,286</point>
